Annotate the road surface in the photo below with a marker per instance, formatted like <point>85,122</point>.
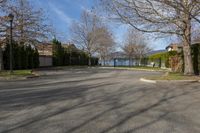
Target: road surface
<point>97,100</point>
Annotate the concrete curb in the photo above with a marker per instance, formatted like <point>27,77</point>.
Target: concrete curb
<point>13,78</point>
<point>138,69</point>
<point>177,81</point>
<point>148,81</point>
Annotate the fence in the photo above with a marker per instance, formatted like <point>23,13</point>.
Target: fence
<point>126,62</point>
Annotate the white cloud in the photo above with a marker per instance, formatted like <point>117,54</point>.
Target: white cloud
<point>62,15</point>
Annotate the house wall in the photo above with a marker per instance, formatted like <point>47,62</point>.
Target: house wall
<point>46,61</point>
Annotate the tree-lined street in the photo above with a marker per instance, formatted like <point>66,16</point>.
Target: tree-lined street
<point>98,100</point>
<point>99,66</point>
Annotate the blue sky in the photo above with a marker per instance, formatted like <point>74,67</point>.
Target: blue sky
<point>62,13</point>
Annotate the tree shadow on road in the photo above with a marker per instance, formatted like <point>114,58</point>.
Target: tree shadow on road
<point>167,96</point>
<point>33,98</point>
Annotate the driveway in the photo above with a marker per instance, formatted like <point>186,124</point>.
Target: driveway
<point>98,101</point>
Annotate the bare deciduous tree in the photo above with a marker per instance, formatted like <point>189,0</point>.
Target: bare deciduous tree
<point>84,33</point>
<point>196,36</point>
<point>135,45</point>
<point>2,3</point>
<point>106,43</point>
<point>173,17</point>
<point>141,51</point>
<point>29,23</point>
<point>2,30</point>
<point>129,50</point>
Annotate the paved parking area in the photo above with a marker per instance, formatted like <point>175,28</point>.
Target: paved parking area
<point>98,101</point>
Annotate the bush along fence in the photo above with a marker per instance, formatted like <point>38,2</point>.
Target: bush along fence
<point>24,57</point>
<point>70,56</point>
<point>171,59</point>
<point>196,58</point>
<point>175,60</point>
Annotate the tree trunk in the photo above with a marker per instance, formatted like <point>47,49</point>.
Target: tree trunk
<point>129,61</point>
<point>104,62</point>
<point>1,59</point>
<point>188,65</point>
<point>89,61</point>
<point>140,61</point>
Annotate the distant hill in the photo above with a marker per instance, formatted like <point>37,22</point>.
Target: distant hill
<point>155,52</point>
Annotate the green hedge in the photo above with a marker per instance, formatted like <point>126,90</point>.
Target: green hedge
<point>24,57</point>
<point>195,49</point>
<point>164,56</point>
<point>70,56</point>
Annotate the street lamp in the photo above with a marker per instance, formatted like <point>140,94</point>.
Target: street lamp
<point>10,19</point>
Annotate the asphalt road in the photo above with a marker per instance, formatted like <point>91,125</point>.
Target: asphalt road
<point>98,101</point>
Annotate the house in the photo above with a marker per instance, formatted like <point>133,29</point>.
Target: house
<point>178,47</point>
<point>45,54</point>
<point>44,49</point>
<point>196,42</point>
<point>174,47</point>
<point>70,46</point>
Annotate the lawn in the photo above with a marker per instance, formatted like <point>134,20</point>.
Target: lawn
<point>173,76</point>
<point>143,68</point>
<point>16,73</point>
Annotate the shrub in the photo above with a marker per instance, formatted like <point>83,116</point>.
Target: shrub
<point>195,50</point>
<point>24,57</point>
<point>70,56</point>
<point>163,57</point>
